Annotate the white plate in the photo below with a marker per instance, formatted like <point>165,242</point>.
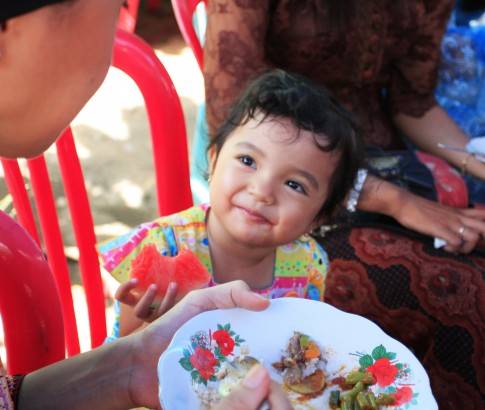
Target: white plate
<point>349,342</point>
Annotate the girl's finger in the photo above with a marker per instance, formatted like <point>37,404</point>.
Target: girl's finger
<point>168,300</point>
<point>143,309</point>
<point>124,294</point>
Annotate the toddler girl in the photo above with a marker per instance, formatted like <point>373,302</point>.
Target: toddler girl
<point>282,163</point>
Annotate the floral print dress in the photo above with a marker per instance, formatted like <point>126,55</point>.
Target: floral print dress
<point>300,266</point>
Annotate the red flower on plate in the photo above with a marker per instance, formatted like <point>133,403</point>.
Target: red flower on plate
<point>403,395</point>
<point>384,371</point>
<point>224,341</point>
<point>204,361</point>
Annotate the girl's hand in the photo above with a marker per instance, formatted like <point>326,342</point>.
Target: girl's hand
<point>146,307</point>
<point>148,344</point>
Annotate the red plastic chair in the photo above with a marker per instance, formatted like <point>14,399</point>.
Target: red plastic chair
<point>128,16</point>
<point>184,12</point>
<point>29,302</point>
<point>153,5</point>
<point>137,59</point>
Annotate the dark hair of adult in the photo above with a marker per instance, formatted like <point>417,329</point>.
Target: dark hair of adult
<point>14,8</point>
<point>279,94</point>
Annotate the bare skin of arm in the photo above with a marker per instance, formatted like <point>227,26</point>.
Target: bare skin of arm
<point>436,126</point>
<point>424,216</point>
<point>123,374</point>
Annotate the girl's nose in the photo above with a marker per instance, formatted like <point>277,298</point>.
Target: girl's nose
<point>261,188</point>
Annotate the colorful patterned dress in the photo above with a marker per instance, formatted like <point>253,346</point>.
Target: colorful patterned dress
<point>300,266</point>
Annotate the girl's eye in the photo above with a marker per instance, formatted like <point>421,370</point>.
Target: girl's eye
<point>247,160</point>
<point>296,186</point>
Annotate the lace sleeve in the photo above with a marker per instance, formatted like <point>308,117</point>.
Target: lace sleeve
<point>234,52</point>
<point>413,78</point>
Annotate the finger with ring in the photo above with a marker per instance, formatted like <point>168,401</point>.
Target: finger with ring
<point>462,230</point>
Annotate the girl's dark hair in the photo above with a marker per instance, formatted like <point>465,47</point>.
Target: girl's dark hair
<point>279,94</point>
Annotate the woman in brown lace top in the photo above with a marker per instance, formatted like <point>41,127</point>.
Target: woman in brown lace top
<point>380,58</point>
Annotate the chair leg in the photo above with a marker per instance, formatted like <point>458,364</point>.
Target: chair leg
<point>153,5</point>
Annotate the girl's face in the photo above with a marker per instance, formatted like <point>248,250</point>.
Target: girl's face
<point>51,61</point>
<point>268,184</point>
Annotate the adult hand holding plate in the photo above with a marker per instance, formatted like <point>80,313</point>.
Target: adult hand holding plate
<point>189,369</point>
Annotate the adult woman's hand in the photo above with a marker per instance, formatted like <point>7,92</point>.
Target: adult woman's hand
<point>149,344</point>
<point>461,229</point>
<point>254,389</point>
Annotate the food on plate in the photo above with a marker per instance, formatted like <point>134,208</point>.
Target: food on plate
<point>185,269</point>
<point>355,393</point>
<point>302,366</point>
<point>230,375</point>
<point>233,372</point>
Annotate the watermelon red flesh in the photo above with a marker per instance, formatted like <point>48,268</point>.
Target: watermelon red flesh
<point>185,269</point>
<point>149,267</point>
<point>190,273</point>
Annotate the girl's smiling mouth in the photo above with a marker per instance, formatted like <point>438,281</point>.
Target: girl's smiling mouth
<point>253,216</point>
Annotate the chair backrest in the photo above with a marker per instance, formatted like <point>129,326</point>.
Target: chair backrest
<point>137,59</point>
<point>128,16</point>
<point>184,13</point>
<point>29,302</point>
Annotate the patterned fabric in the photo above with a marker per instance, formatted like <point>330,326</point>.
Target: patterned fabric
<point>299,271</point>
<point>5,398</point>
<point>9,386</point>
<point>430,300</point>
<point>387,45</point>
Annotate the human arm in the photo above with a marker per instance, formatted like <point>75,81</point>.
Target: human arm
<point>234,52</point>
<point>123,374</point>
<point>413,78</point>
<point>435,126</point>
<point>424,216</point>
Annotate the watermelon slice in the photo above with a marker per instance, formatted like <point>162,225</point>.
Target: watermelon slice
<point>185,269</point>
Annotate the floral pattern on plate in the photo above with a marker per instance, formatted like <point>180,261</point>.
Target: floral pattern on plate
<point>207,351</point>
<point>392,376</point>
